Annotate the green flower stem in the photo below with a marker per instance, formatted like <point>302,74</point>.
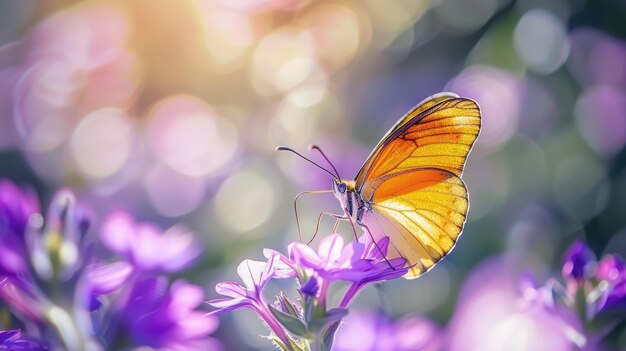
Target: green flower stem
<point>278,330</point>
<point>321,306</point>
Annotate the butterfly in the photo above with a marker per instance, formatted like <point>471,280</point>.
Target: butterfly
<point>410,188</point>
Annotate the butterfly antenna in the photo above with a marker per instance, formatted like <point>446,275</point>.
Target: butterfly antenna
<point>284,148</point>
<point>315,147</point>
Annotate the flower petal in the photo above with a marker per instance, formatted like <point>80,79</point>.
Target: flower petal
<point>225,305</point>
<point>283,267</point>
<point>305,256</point>
<point>578,259</point>
<point>330,247</point>
<point>376,251</point>
<point>611,268</point>
<point>231,289</point>
<point>106,278</point>
<point>251,273</point>
<point>118,232</point>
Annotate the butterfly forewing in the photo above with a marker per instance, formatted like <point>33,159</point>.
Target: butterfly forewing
<point>413,181</point>
<point>410,116</point>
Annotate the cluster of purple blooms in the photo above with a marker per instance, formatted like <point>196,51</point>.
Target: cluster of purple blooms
<point>591,298</point>
<point>310,323</point>
<point>589,304</point>
<point>67,288</point>
<point>65,291</point>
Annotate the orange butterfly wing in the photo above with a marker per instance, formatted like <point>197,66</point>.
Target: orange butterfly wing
<point>409,116</point>
<point>413,182</point>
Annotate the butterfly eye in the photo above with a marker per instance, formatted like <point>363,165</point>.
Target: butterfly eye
<point>341,187</point>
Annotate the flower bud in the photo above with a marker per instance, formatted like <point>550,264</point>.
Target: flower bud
<point>310,287</point>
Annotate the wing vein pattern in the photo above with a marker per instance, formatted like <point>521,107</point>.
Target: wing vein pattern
<point>412,179</point>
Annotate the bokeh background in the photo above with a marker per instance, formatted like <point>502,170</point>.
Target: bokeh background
<point>172,110</point>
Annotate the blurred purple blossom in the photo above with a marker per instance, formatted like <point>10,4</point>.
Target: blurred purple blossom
<point>18,294</point>
<point>16,207</point>
<point>612,270</point>
<point>491,315</point>
<point>538,295</point>
<point>109,277</point>
<point>579,260</point>
<point>165,317</point>
<point>60,283</point>
<point>146,246</point>
<point>13,340</point>
<point>585,305</point>
<point>376,332</point>
<point>16,286</point>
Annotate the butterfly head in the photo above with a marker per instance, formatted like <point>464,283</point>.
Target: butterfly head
<point>339,187</point>
<point>342,189</point>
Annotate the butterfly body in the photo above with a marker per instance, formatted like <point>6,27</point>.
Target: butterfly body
<point>409,188</point>
<point>350,199</point>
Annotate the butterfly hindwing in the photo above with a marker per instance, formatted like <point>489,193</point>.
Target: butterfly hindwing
<point>423,212</point>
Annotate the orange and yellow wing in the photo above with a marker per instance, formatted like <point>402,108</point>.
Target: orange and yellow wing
<point>408,117</point>
<point>414,184</point>
<point>422,212</point>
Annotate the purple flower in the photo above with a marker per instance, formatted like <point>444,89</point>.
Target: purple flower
<point>165,318</point>
<point>489,315</point>
<point>20,299</point>
<point>376,332</point>
<point>378,268</point>
<point>16,207</point>
<point>332,260</point>
<point>356,262</point>
<point>66,224</point>
<point>146,246</point>
<point>13,340</point>
<point>381,269</point>
<point>107,278</point>
<point>612,270</point>
<point>540,296</point>
<point>578,262</point>
<point>254,275</point>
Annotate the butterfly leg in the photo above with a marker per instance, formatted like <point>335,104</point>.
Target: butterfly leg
<point>369,232</point>
<point>319,219</point>
<point>336,225</point>
<point>349,218</point>
<point>295,207</point>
